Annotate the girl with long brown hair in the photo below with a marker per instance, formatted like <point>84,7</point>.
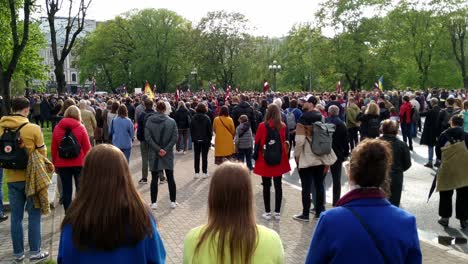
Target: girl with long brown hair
<point>231,234</point>
<point>269,172</point>
<point>109,222</point>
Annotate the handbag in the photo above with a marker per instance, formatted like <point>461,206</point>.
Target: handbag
<point>369,232</point>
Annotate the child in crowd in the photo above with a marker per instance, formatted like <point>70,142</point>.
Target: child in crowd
<point>244,141</point>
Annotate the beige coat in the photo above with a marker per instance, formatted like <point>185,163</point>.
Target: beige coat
<point>453,170</point>
<point>89,121</point>
<point>303,151</point>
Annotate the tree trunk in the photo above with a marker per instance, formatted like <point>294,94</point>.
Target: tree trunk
<point>465,82</point>
<point>5,88</point>
<point>60,77</point>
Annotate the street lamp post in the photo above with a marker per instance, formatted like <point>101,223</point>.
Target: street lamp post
<point>275,67</point>
<point>195,73</point>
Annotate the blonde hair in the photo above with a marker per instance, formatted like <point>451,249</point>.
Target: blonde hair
<point>73,112</point>
<point>372,109</point>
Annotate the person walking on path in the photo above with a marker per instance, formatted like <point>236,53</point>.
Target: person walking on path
<point>405,119</point>
<point>364,220</point>
<point>311,166</point>
<point>401,160</point>
<point>452,148</point>
<point>32,139</point>
<point>224,130</point>
<point>266,169</point>
<point>102,227</point>
<point>141,119</point>
<point>161,136</point>
<point>89,120</point>
<point>231,234</point>
<point>69,169</point>
<point>431,130</point>
<point>201,131</point>
<point>121,131</point>
<point>243,141</point>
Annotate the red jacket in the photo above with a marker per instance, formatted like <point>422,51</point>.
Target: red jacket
<point>405,113</point>
<point>79,131</point>
<point>263,169</point>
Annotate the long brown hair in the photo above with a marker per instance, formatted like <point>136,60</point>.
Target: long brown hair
<point>231,217</point>
<point>108,211</point>
<point>274,115</point>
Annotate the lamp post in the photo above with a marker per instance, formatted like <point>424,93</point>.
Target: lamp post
<point>275,67</point>
<point>195,73</point>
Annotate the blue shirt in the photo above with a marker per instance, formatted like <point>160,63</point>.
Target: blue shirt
<point>121,131</point>
<point>149,250</point>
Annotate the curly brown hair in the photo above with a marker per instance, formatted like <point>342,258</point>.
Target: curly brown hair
<point>370,164</point>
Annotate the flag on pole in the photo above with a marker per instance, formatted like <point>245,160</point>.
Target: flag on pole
<point>381,83</point>
<point>177,95</point>
<point>148,90</point>
<point>237,89</point>
<point>266,86</point>
<point>124,90</point>
<point>188,90</point>
<point>155,89</point>
<point>338,88</point>
<point>376,85</point>
<point>228,93</point>
<point>213,87</point>
<point>93,90</point>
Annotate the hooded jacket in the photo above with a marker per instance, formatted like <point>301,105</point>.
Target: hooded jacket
<point>79,131</point>
<point>201,128</point>
<point>161,133</point>
<point>31,136</point>
<point>244,108</point>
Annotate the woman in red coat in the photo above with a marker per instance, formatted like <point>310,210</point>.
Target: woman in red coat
<point>271,173</point>
<point>69,168</point>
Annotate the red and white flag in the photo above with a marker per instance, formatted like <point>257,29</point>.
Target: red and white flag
<point>188,90</point>
<point>177,95</point>
<point>237,89</point>
<point>266,87</point>
<point>338,87</point>
<point>228,93</point>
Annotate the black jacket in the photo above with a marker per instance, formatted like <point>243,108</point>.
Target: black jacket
<point>454,133</point>
<point>310,117</point>
<point>182,118</point>
<point>244,108</point>
<point>401,154</point>
<point>201,128</point>
<point>444,117</point>
<point>431,128</point>
<point>340,138</point>
<point>365,123</point>
<point>131,112</point>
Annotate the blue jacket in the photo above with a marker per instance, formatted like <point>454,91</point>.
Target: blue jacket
<point>121,131</point>
<point>149,250</point>
<point>340,238</point>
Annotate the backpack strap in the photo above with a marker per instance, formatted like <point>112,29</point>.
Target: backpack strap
<point>19,128</point>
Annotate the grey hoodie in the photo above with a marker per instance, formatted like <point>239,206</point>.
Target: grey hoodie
<point>244,142</point>
<point>161,133</point>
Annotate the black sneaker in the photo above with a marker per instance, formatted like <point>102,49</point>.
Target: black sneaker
<point>437,164</point>
<point>463,223</point>
<point>428,165</point>
<point>301,217</point>
<point>143,181</point>
<point>443,221</point>
<point>39,257</point>
<point>3,217</point>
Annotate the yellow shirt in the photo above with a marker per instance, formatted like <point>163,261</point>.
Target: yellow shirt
<point>32,138</point>
<point>269,249</point>
<point>224,129</point>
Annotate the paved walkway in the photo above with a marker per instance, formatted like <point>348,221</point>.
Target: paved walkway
<point>192,198</point>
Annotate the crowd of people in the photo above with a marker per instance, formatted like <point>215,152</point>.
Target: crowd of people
<point>322,133</point>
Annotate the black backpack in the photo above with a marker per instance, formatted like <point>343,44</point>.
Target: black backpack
<point>12,155</point>
<point>273,149</point>
<point>373,127</point>
<point>69,147</point>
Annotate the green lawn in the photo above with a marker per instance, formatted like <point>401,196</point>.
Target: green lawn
<point>48,139</point>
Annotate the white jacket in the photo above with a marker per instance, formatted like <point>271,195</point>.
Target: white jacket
<point>303,151</point>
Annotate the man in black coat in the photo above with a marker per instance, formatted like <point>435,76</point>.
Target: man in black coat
<point>431,130</point>
<point>340,147</point>
<point>244,108</point>
<point>401,159</point>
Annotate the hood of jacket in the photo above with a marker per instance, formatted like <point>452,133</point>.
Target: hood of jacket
<point>456,133</point>
<point>243,105</point>
<point>13,121</point>
<point>310,117</point>
<point>158,118</point>
<point>68,123</point>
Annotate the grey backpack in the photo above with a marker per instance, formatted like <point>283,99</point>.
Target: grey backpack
<point>322,138</point>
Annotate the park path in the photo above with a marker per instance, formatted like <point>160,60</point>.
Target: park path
<point>192,198</point>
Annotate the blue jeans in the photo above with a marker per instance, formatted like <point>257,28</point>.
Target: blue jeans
<point>414,129</point>
<point>406,132</point>
<point>18,201</point>
<point>1,191</point>
<point>247,153</point>
<point>430,150</point>
<point>127,153</point>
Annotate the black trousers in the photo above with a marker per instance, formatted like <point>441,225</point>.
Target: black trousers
<point>396,187</point>
<point>266,182</point>
<point>335,170</point>
<point>353,136</point>
<point>201,148</point>
<point>461,207</point>
<point>292,143</point>
<point>245,154</point>
<point>170,183</point>
<point>67,175</point>
<point>307,175</point>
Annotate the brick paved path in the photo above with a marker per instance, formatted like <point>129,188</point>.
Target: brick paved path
<point>192,199</point>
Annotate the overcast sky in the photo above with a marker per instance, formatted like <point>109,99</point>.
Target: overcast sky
<point>270,18</point>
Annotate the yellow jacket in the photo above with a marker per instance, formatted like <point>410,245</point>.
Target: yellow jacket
<point>223,127</point>
<point>32,138</point>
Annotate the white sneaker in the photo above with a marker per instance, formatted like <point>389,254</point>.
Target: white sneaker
<point>174,205</point>
<point>197,176</point>
<point>266,216</point>
<point>277,216</point>
<point>183,152</point>
<point>154,206</point>
<point>205,175</point>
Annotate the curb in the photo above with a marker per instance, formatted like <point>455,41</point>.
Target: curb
<point>446,249</point>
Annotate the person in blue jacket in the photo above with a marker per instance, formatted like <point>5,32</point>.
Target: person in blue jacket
<point>365,227</point>
<point>109,222</point>
<point>121,131</point>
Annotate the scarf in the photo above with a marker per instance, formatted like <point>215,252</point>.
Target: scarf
<point>361,193</point>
